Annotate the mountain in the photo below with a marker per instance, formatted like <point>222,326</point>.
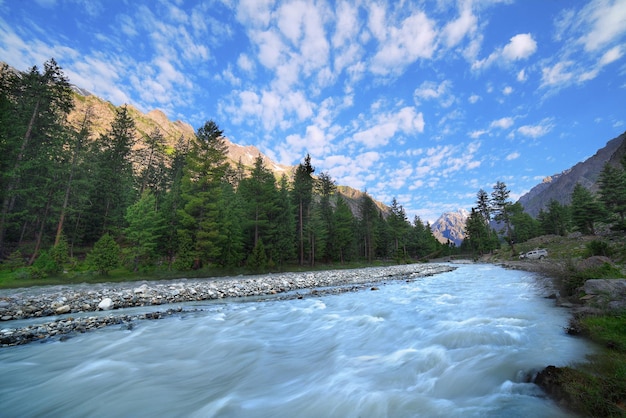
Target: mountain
<point>560,186</point>
<point>451,227</point>
<point>103,113</point>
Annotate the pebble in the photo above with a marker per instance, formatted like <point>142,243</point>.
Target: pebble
<point>71,299</point>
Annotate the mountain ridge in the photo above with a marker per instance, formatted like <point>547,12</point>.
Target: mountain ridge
<point>560,186</point>
<point>103,113</point>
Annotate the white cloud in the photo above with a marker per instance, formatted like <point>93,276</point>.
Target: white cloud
<point>522,76</point>
<point>557,74</point>
<point>477,134</point>
<point>245,63</point>
<point>454,32</point>
<point>603,21</point>
<point>387,125</point>
<point>502,123</point>
<point>513,156</point>
<point>401,45</point>
<point>536,131</point>
<point>520,47</point>
<point>507,90</point>
<point>473,98</point>
<point>611,55</point>
<point>431,90</point>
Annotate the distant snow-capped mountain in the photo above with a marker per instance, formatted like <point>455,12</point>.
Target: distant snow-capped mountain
<point>451,227</point>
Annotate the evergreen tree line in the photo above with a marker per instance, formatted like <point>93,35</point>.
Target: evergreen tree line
<point>129,196</point>
<point>585,213</point>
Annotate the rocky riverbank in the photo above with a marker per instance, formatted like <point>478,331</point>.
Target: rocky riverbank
<point>68,307</point>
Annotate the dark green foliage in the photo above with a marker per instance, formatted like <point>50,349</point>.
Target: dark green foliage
<point>343,237</point>
<point>14,261</point>
<point>612,183</point>
<point>46,264</point>
<point>598,247</point>
<point>33,135</point>
<point>112,177</point>
<point>105,255</point>
<point>257,261</point>
<point>586,210</point>
<point>368,232</point>
<point>302,197</point>
<point>524,226</point>
<point>283,245</point>
<point>201,189</point>
<point>501,207</point>
<point>60,252</point>
<point>144,229</point>
<point>61,184</point>
<point>232,237</point>
<point>479,237</point>
<point>556,220</point>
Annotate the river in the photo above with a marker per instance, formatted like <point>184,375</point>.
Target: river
<point>457,344</point>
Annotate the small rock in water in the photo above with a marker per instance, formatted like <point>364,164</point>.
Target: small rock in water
<point>105,304</point>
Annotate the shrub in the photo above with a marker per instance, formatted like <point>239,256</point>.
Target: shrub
<point>15,261</point>
<point>105,255</point>
<point>597,247</point>
<point>46,264</point>
<point>60,252</point>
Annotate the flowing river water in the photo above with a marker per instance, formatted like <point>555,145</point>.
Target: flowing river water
<point>457,344</point>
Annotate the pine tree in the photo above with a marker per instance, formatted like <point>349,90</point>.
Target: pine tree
<point>556,220</point>
<point>204,172</point>
<point>326,188</point>
<point>586,210</point>
<point>144,230</point>
<point>283,243</point>
<point>501,208</point>
<point>368,227</point>
<point>303,195</point>
<point>343,234</point>
<point>112,177</point>
<point>612,183</point>
<point>33,132</point>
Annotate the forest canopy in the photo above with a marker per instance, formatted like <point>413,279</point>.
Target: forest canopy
<point>146,201</point>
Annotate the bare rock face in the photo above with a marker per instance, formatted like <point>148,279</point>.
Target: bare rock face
<point>451,226</point>
<point>560,186</point>
<point>606,293</point>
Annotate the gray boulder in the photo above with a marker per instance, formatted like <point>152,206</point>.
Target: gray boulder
<point>606,293</point>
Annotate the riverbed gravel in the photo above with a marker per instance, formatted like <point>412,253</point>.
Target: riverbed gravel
<point>77,308</point>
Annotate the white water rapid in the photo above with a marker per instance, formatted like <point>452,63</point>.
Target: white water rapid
<point>458,344</point>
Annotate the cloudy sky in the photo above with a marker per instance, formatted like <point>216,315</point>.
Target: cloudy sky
<point>426,101</point>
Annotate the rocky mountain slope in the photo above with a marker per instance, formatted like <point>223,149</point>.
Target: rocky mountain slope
<point>560,186</point>
<point>102,114</point>
<point>451,227</point>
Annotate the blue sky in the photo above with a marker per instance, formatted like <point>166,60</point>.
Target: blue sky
<point>425,101</point>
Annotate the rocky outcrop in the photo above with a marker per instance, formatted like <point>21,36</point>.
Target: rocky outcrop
<point>607,294</point>
<point>560,186</point>
<point>450,227</point>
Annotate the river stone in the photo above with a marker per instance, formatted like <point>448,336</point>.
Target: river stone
<point>141,289</point>
<point>105,304</point>
<point>62,309</point>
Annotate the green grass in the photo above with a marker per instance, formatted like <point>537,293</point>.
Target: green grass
<point>598,388</point>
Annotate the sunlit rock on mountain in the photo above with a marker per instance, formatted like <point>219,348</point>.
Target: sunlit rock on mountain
<point>451,227</point>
